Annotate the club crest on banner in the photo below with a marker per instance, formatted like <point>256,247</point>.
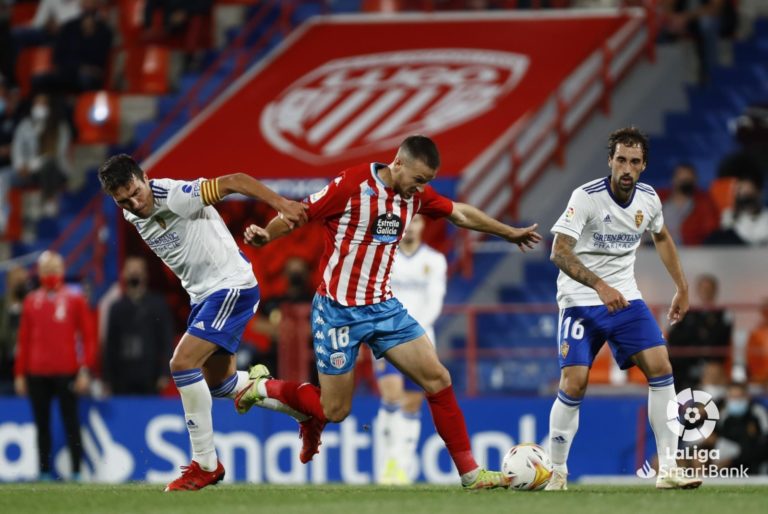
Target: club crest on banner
<point>357,105</point>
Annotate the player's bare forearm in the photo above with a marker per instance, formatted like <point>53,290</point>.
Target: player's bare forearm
<point>250,187</point>
<point>253,188</point>
<point>567,261</point>
<point>472,218</point>
<point>667,250</point>
<point>257,236</point>
<point>665,246</point>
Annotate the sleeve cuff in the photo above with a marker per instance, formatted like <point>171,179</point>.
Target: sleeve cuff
<point>559,229</point>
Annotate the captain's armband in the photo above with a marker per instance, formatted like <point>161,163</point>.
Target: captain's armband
<point>209,191</point>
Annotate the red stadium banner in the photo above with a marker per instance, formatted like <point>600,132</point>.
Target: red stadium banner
<point>344,90</point>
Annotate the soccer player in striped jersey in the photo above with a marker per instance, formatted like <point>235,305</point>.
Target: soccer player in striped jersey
<point>178,222</point>
<point>364,212</point>
<point>595,243</point>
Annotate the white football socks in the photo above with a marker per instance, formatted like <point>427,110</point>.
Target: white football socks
<point>197,402</point>
<point>387,426</point>
<point>661,390</point>
<point>563,424</point>
<point>407,434</point>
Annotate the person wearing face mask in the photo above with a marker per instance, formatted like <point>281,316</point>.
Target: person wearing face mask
<point>40,153</point>
<point>701,342</point>
<point>689,212</point>
<point>748,219</point>
<point>264,330</point>
<point>743,421</point>
<point>56,349</point>
<point>139,336</point>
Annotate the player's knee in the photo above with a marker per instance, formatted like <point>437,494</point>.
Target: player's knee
<point>575,387</point>
<point>336,413</point>
<point>436,379</point>
<point>177,363</point>
<point>659,369</point>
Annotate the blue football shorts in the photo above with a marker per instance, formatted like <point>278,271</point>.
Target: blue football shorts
<point>583,330</point>
<point>337,331</point>
<point>382,367</point>
<point>222,317</point>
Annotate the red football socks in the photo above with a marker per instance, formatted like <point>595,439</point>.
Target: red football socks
<point>449,422</point>
<point>305,397</point>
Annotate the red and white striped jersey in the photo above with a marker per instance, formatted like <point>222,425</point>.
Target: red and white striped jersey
<point>364,221</point>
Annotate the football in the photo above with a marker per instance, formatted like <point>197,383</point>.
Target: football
<point>528,466</point>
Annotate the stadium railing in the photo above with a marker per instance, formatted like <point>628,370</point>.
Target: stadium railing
<point>542,136</point>
<point>520,348</point>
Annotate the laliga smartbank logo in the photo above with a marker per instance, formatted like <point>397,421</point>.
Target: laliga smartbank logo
<point>692,416</point>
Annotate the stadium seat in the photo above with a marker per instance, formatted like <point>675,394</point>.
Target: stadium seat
<point>97,118</point>
<point>32,61</point>
<point>131,21</point>
<point>147,70</point>
<point>722,191</point>
<point>22,13</point>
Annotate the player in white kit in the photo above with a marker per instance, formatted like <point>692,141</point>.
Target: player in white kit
<point>178,222</point>
<point>595,243</point>
<point>419,282</point>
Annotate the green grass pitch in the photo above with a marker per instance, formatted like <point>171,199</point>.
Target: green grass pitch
<point>341,499</point>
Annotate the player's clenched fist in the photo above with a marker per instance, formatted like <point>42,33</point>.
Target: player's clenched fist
<point>294,213</point>
<point>256,236</point>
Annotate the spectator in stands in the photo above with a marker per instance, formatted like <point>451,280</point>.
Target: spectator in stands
<point>705,21</point>
<point>40,151</point>
<point>16,288</point>
<point>689,212</point>
<point>7,127</point>
<point>703,337</point>
<point>743,431</point>
<point>81,53</point>
<point>139,337</point>
<point>56,350</point>
<point>50,16</point>
<point>757,350</point>
<point>182,20</point>
<point>747,222</point>
<point>6,44</point>
<point>267,320</point>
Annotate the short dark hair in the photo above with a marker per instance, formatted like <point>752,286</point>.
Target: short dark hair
<point>118,171</point>
<point>423,149</point>
<point>628,136</point>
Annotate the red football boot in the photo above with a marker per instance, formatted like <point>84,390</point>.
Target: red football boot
<point>193,478</point>
<point>309,432</point>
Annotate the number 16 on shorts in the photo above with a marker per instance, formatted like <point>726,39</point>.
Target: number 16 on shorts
<point>571,334</point>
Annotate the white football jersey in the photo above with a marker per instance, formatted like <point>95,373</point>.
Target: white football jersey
<point>418,281</point>
<point>192,239</point>
<point>607,234</point>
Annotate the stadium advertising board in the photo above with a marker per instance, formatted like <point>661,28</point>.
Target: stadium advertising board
<point>145,439</point>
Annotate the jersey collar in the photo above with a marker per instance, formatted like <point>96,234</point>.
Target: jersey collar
<point>613,197</point>
<point>375,167</point>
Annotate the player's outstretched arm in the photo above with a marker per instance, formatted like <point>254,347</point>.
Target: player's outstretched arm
<point>294,213</point>
<point>665,246</point>
<point>257,236</point>
<point>467,216</point>
<point>569,263</point>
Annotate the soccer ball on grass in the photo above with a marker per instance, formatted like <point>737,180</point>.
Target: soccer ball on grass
<point>529,467</point>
